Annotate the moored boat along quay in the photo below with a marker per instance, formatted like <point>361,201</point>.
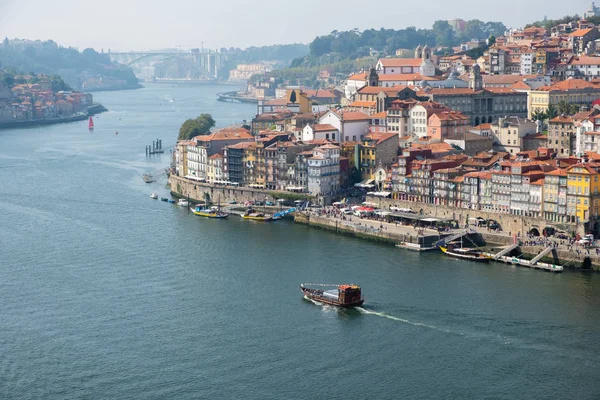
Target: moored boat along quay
<point>398,234</point>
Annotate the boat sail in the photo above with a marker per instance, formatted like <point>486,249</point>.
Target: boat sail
<point>91,124</point>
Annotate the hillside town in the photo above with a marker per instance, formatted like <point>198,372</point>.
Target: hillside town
<point>37,101</point>
<point>515,131</point>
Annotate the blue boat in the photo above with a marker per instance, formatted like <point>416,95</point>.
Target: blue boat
<point>282,214</point>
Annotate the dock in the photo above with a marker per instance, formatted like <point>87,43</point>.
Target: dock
<point>234,97</point>
<point>533,263</point>
<point>156,148</point>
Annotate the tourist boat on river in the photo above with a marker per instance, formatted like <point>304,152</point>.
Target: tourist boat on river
<point>154,196</point>
<point>466,254</point>
<point>209,212</point>
<point>254,215</point>
<point>183,203</point>
<point>340,296</point>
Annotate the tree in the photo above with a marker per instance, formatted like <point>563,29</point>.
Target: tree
<point>444,34</point>
<point>573,109</point>
<point>538,115</point>
<point>198,126</point>
<point>551,112</point>
<point>293,97</point>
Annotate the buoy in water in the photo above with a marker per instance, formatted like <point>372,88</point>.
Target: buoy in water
<point>116,133</point>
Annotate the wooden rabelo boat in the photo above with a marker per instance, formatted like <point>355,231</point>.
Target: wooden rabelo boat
<point>340,296</point>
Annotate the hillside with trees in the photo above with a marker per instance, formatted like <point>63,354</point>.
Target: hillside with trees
<point>75,67</point>
<point>356,44</point>
<point>347,51</point>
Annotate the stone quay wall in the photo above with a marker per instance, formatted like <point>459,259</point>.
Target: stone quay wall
<point>181,187</point>
<point>362,231</point>
<point>511,224</point>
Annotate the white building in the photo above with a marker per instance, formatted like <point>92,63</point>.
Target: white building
<point>583,67</point>
<point>419,116</point>
<point>354,83</point>
<point>195,167</point>
<point>352,126</point>
<point>317,132</point>
<point>324,170</point>
<point>585,138</point>
<point>421,64</point>
<point>526,63</point>
<point>509,132</point>
<point>203,146</point>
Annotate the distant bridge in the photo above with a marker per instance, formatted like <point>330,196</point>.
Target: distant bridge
<point>207,62</point>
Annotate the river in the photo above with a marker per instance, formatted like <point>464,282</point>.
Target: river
<point>106,293</point>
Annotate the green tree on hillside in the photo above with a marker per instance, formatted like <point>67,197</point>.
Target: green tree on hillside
<point>197,126</point>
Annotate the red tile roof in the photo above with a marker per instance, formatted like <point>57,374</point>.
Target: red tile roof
<point>401,62</point>
<point>584,60</point>
<point>355,116</point>
<point>569,84</point>
<point>405,77</point>
<point>358,77</point>
<point>324,128</point>
<point>581,32</point>
<point>379,89</point>
<point>381,137</point>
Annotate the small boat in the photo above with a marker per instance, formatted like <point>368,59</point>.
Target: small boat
<point>91,124</point>
<point>164,199</point>
<point>154,196</point>
<point>147,178</point>
<point>257,216</point>
<point>209,212</point>
<point>171,201</point>
<point>183,203</point>
<point>466,254</point>
<point>339,296</point>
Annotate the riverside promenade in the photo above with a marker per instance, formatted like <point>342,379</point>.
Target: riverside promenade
<point>570,256</point>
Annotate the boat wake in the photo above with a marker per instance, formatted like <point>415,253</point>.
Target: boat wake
<point>393,318</point>
<point>314,301</point>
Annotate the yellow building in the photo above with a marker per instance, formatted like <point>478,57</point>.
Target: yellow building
<point>377,149</point>
<point>573,91</point>
<point>214,169</point>
<point>368,159</point>
<point>249,163</point>
<point>302,100</point>
<point>583,197</point>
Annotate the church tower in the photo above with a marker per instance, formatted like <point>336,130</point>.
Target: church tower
<point>427,68</point>
<point>475,79</point>
<point>373,78</point>
<point>419,52</point>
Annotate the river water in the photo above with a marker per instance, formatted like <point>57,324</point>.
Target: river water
<point>105,293</point>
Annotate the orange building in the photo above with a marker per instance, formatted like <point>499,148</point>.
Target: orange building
<point>441,125</point>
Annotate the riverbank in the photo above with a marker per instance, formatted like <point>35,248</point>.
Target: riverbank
<point>196,191</point>
<point>235,97</point>
<point>81,116</point>
<point>407,237</point>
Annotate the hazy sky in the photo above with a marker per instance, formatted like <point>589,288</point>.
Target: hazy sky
<point>141,25</point>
